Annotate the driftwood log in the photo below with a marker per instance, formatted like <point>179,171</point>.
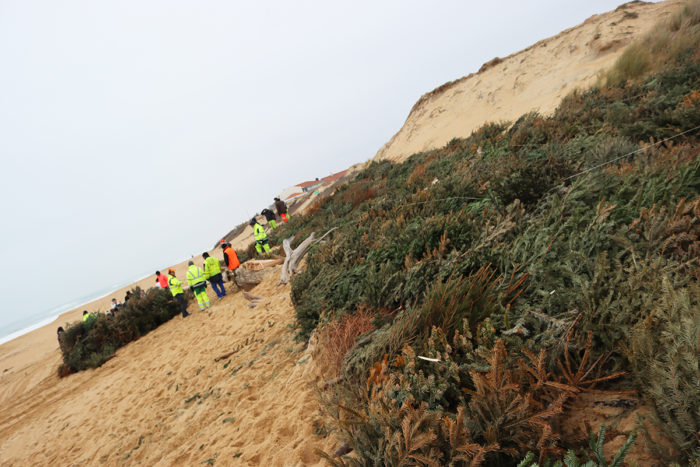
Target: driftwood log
<point>294,256</point>
<point>252,298</point>
<point>251,272</point>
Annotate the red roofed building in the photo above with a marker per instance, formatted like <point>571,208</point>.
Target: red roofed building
<point>309,186</point>
<point>334,177</point>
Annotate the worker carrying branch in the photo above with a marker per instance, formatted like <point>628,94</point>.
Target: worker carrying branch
<point>270,217</point>
<point>260,237</point>
<point>281,207</point>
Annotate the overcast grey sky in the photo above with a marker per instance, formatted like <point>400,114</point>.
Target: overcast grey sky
<point>136,133</point>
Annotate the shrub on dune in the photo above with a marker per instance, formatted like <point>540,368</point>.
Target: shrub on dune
<point>91,343</point>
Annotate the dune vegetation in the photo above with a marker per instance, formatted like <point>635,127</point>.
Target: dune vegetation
<point>473,295</point>
<point>90,343</point>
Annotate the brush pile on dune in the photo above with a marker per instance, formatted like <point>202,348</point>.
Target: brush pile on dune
<point>528,288</point>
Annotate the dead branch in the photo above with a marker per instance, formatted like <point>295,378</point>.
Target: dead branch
<point>287,245</point>
<point>227,355</point>
<point>294,256</point>
<point>332,382</point>
<point>252,298</point>
<point>324,235</point>
<point>299,253</point>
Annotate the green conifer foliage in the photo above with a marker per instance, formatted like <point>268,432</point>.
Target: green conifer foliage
<point>566,244</point>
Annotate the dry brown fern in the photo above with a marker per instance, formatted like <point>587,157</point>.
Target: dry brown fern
<point>378,373</point>
<point>461,443</point>
<point>677,235</point>
<point>338,337</point>
<point>509,416</point>
<point>586,377</point>
<point>411,445</point>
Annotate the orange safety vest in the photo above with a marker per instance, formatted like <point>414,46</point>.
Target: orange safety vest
<point>163,281</point>
<point>233,262</point>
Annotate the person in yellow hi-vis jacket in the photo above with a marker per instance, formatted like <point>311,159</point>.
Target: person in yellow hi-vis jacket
<point>198,282</point>
<point>212,271</point>
<point>260,237</point>
<point>175,286</point>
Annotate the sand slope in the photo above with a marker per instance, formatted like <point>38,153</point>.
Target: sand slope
<point>536,78</point>
<point>163,400</point>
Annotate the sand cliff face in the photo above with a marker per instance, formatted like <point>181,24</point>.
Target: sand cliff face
<point>536,78</point>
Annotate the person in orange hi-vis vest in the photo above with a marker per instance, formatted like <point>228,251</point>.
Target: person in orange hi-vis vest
<point>230,256</point>
<point>161,280</point>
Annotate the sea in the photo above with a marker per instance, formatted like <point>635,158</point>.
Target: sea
<point>29,323</point>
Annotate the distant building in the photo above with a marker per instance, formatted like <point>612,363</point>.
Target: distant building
<point>290,192</point>
<point>293,196</point>
<point>334,177</point>
<point>307,187</point>
<point>303,188</point>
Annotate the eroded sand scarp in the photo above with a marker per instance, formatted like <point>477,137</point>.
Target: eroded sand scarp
<point>534,79</point>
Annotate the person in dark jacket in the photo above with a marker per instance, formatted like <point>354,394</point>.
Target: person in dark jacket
<point>281,207</point>
<point>270,217</point>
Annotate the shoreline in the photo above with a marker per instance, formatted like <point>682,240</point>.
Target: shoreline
<point>54,314</point>
<point>37,352</point>
<point>39,346</point>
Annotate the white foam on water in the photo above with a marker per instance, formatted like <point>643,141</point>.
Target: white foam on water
<point>31,328</point>
<point>54,313</point>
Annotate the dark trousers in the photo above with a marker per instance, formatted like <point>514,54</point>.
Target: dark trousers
<point>217,283</point>
<point>183,304</point>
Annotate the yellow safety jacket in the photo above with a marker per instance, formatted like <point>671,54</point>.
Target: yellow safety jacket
<point>88,316</point>
<point>195,275</point>
<point>175,285</point>
<point>212,267</point>
<point>259,232</point>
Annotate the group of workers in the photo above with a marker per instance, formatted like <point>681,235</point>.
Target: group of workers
<point>197,277</point>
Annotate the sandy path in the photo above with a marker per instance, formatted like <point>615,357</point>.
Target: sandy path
<point>163,400</point>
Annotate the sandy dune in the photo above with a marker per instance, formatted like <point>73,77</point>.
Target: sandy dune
<point>536,78</point>
<point>163,400</point>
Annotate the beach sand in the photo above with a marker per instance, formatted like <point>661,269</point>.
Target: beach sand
<point>103,416</point>
<point>26,353</point>
<point>164,400</point>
